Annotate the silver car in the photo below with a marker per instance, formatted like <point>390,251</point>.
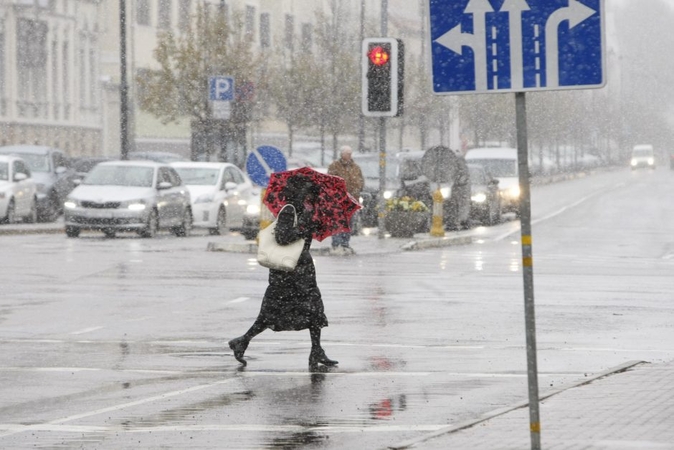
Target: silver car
<point>129,196</point>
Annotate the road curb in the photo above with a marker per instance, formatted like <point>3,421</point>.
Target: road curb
<point>499,412</point>
<point>436,243</point>
<point>28,230</point>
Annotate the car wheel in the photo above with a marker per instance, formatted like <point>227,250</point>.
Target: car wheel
<point>152,226</point>
<point>72,232</point>
<point>220,223</point>
<point>32,216</point>
<point>109,233</point>
<point>11,213</point>
<point>249,235</point>
<point>183,230</point>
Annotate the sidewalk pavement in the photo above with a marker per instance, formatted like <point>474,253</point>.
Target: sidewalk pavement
<point>367,243</point>
<point>628,407</point>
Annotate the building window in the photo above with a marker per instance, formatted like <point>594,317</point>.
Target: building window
<point>93,84</point>
<point>289,31</point>
<point>307,37</point>
<point>184,11</point>
<point>65,79</point>
<point>3,104</point>
<point>143,12</point>
<point>265,30</point>
<point>31,67</point>
<point>250,22</point>
<point>164,14</point>
<point>55,79</point>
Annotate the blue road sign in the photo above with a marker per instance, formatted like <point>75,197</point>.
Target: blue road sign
<point>221,89</point>
<point>482,46</point>
<point>262,162</point>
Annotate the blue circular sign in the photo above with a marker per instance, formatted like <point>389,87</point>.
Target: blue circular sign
<point>262,162</point>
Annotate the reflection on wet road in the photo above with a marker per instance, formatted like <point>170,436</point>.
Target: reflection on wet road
<point>120,344</point>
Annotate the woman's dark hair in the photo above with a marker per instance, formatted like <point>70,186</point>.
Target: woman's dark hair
<point>298,188</point>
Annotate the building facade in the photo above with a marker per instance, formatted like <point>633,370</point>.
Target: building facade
<point>50,75</point>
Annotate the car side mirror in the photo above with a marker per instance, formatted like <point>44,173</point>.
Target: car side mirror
<point>230,185</point>
<point>61,170</point>
<point>164,185</point>
<point>494,181</point>
<point>77,181</point>
<point>20,176</point>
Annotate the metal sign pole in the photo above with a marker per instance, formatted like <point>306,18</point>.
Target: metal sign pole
<point>528,268</point>
<point>382,140</point>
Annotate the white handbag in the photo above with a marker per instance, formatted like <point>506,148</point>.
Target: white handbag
<point>272,255</point>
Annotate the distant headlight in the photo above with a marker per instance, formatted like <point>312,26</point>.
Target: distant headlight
<point>513,192</point>
<point>71,204</point>
<point>479,198</point>
<point>134,205</point>
<point>445,191</point>
<point>651,161</point>
<point>388,194</point>
<point>253,209</point>
<point>634,162</point>
<point>206,198</point>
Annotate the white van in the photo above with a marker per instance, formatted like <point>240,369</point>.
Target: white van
<point>643,156</point>
<point>501,163</point>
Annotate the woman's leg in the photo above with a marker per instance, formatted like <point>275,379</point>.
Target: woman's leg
<point>317,354</point>
<point>240,344</point>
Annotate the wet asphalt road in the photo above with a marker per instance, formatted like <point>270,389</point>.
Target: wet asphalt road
<point>120,344</point>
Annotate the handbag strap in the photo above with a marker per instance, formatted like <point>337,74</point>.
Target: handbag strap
<point>294,212</point>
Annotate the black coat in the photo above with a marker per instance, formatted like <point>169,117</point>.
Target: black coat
<point>292,300</point>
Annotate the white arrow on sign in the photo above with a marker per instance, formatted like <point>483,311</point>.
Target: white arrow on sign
<point>575,13</point>
<point>514,8</point>
<point>268,170</point>
<point>455,40</point>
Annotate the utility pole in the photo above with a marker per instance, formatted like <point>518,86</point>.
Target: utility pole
<point>123,84</point>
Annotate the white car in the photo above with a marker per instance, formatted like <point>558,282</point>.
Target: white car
<point>222,195</point>
<point>139,196</point>
<point>500,163</point>
<point>18,191</point>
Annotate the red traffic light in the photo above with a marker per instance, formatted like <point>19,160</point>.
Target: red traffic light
<point>378,56</point>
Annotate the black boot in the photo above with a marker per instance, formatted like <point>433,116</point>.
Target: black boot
<point>318,356</point>
<point>239,346</point>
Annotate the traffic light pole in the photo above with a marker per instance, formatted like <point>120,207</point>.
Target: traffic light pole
<point>123,84</point>
<point>382,177</point>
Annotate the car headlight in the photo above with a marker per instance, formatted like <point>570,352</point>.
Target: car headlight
<point>71,203</point>
<point>205,198</point>
<point>634,162</point>
<point>650,161</point>
<point>134,205</point>
<point>513,192</point>
<point>479,197</point>
<point>253,209</point>
<point>388,194</point>
<point>445,191</point>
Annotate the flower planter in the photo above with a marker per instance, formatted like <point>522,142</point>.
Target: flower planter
<point>404,224</point>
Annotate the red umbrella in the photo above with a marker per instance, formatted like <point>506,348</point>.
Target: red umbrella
<point>334,207</point>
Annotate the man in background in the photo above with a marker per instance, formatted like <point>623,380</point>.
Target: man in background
<point>345,167</point>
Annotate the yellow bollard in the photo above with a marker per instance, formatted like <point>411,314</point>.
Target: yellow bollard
<point>266,217</point>
<point>437,229</point>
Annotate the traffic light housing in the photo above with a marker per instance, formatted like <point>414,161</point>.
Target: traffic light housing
<point>383,77</point>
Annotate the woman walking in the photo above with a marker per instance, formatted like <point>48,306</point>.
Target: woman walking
<point>292,300</point>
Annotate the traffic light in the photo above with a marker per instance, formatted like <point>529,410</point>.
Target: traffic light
<point>383,77</point>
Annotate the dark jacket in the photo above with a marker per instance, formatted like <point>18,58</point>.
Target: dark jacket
<point>292,300</point>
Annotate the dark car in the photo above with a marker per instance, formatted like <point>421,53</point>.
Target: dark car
<point>485,201</point>
<point>52,172</point>
<point>370,195</point>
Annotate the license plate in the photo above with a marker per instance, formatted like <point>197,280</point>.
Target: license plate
<point>99,214</point>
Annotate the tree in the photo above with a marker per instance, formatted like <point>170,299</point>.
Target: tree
<point>213,45</point>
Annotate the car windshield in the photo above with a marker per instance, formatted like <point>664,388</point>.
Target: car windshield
<point>370,167</point>
<point>498,167</point>
<point>476,175</point>
<point>36,162</point>
<point>85,165</point>
<point>136,176</point>
<point>198,176</point>
<point>642,153</point>
<point>4,171</point>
